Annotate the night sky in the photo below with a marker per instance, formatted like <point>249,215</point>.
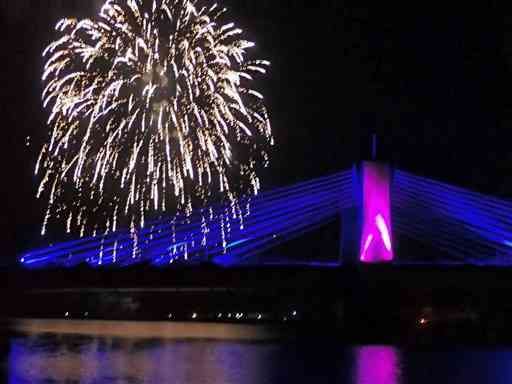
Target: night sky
<point>433,82</point>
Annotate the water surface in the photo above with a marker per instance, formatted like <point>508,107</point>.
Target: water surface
<point>55,357</point>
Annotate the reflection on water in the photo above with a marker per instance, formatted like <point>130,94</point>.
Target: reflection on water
<point>63,358</point>
<point>73,360</point>
<point>149,330</point>
<point>71,352</point>
<point>378,365</point>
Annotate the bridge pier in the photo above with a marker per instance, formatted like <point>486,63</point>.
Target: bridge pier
<point>366,227</point>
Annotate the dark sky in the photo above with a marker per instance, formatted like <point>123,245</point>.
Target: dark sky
<point>434,83</point>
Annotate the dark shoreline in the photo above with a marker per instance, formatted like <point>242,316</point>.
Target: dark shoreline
<point>358,304</point>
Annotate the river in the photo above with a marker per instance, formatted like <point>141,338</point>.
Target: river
<point>55,352</point>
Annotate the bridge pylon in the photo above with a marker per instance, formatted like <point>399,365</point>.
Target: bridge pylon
<point>367,226</point>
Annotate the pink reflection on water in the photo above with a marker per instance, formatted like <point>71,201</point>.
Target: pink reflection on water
<point>378,365</point>
<point>376,242</point>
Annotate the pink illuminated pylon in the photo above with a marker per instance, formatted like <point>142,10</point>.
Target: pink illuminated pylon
<point>376,239</point>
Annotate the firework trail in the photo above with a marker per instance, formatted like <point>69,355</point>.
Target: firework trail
<point>151,110</point>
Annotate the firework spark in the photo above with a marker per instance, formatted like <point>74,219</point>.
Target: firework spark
<point>151,109</point>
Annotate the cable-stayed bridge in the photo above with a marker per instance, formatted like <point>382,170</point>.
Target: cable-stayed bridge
<point>376,204</point>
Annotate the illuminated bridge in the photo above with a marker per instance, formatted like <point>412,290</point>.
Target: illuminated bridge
<point>376,205</point>
<point>220,264</point>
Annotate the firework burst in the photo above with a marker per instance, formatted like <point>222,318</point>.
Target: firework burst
<point>151,110</point>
